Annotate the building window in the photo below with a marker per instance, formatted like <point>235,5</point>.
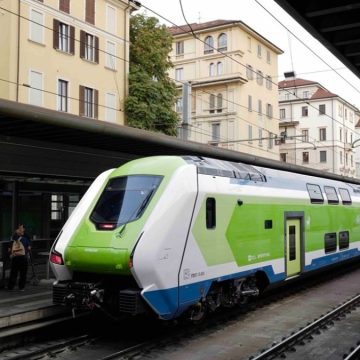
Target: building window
<point>111,19</point>
<point>249,103</point>
<point>268,82</point>
<point>249,72</point>
<point>219,66</point>
<point>283,157</point>
<point>64,5</point>
<point>215,131</point>
<point>57,205</point>
<point>250,134</point>
<point>346,159</point>
<point>64,37</point>
<point>323,156</point>
<point>305,157</point>
<point>222,42</point>
<point>110,109</point>
<point>36,86</point>
<point>259,50</point>
<point>179,48</point>
<point>89,47</point>
<point>90,11</point>
<point>306,94</point>
<point>322,134</point>
<point>219,103</point>
<point>322,109</point>
<point>110,55</point>
<point>304,111</point>
<point>88,102</point>
<point>271,141</point>
<point>268,56</point>
<point>269,110</point>
<point>212,69</point>
<point>341,157</point>
<point>249,43</point>
<point>63,96</point>
<point>260,137</point>
<point>209,45</point>
<point>305,135</point>
<point>36,26</point>
<point>260,107</point>
<point>259,77</point>
<point>212,103</point>
<point>179,74</point>
<point>282,114</point>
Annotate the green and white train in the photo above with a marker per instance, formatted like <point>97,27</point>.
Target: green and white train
<point>184,235</point>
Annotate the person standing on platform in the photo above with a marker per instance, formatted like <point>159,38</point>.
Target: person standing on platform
<point>19,249</point>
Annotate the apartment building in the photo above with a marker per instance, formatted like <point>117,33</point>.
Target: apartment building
<point>317,127</point>
<point>231,69</point>
<point>66,55</point>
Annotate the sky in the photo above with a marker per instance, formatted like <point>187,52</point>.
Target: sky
<point>316,63</point>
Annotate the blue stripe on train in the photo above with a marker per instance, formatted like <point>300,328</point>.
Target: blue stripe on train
<point>165,302</point>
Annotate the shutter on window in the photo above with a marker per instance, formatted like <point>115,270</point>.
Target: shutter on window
<point>72,40</point>
<point>56,34</point>
<point>82,43</point>
<point>64,6</point>
<point>81,100</point>
<point>96,104</point>
<point>96,49</point>
<point>90,11</point>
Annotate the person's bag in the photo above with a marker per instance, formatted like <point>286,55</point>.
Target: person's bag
<point>17,248</point>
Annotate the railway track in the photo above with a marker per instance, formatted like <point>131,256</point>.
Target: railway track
<point>98,346</point>
<point>289,344</point>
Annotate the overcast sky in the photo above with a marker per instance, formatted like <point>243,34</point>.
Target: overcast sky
<point>296,56</point>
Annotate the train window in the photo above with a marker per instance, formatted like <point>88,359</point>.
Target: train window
<point>343,240</point>
<point>345,196</point>
<point>330,242</point>
<point>124,199</point>
<point>292,242</point>
<point>268,224</point>
<point>315,194</point>
<point>210,213</point>
<point>331,195</point>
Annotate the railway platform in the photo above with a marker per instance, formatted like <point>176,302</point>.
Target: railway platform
<point>22,310</point>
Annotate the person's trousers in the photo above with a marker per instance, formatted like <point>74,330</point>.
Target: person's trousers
<point>18,267</point>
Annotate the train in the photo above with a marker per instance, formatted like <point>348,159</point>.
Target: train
<point>179,236</point>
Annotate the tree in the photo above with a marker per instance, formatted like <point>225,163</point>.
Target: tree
<point>152,94</point>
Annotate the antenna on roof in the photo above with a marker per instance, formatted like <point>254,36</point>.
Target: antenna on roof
<point>199,18</point>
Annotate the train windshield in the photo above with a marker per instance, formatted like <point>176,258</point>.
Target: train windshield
<point>124,199</point>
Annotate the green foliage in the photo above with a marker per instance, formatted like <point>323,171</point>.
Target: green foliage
<point>152,94</point>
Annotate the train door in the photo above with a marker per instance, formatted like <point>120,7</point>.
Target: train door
<point>293,246</point>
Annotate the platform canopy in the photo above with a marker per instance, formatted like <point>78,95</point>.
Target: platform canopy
<point>335,23</point>
<point>35,141</point>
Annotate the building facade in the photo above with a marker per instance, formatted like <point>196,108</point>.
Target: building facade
<point>317,127</point>
<point>230,68</point>
<point>66,55</point>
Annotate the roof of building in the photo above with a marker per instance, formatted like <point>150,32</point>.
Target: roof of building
<point>323,94</point>
<point>177,30</point>
<point>289,83</point>
<point>195,27</point>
